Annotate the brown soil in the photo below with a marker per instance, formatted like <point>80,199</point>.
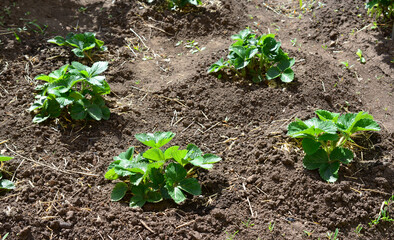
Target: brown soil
<point>59,167</point>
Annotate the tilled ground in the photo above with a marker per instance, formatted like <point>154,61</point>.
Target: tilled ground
<point>59,166</point>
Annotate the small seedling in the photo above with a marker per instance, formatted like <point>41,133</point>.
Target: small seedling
<point>74,89</point>
<point>293,41</point>
<point>334,235</point>
<point>155,174</point>
<point>83,44</point>
<point>346,65</point>
<point>360,55</point>
<point>324,139</point>
<point>271,226</point>
<point>193,46</point>
<point>358,229</point>
<point>256,57</point>
<point>248,224</point>
<point>4,183</point>
<point>307,233</point>
<point>230,236</point>
<point>324,46</point>
<point>385,209</point>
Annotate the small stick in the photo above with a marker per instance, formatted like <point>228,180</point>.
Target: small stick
<point>270,8</point>
<point>53,168</point>
<point>139,38</point>
<point>187,127</point>
<point>185,224</point>
<point>146,226</point>
<point>247,198</point>
<point>211,127</point>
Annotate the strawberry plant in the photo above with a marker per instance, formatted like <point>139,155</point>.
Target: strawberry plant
<point>378,8</point>
<point>4,183</point>
<point>324,139</point>
<point>83,44</point>
<point>75,89</point>
<point>155,174</point>
<point>256,57</point>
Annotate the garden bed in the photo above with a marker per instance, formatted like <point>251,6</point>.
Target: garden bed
<point>260,188</point>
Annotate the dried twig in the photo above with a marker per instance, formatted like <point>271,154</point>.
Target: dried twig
<point>146,226</point>
<point>185,224</point>
<point>48,166</point>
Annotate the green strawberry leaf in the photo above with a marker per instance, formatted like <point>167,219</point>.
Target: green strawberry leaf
<point>155,140</point>
<point>119,191</point>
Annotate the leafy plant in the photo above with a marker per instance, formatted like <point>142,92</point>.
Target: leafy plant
<point>360,55</point>
<point>4,183</point>
<point>334,235</point>
<point>83,44</point>
<point>257,57</point>
<point>384,212</point>
<point>378,8</point>
<point>324,139</point>
<point>155,174</point>
<point>74,89</point>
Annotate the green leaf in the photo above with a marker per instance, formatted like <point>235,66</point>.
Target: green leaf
<point>136,178</point>
<point>272,73</point>
<point>352,122</point>
<point>5,158</point>
<point>154,154</point>
<point>78,52</point>
<point>64,101</point>
<point>128,155</point>
<point>57,40</point>
<point>153,197</point>
<point>217,66</point>
<point>327,116</point>
<point>343,155</point>
<point>365,125</point>
<point>287,75</point>
<point>329,171</point>
<point>156,177</point>
<point>175,172</point>
<point>95,112</point>
<point>175,193</point>
<point>97,68</point>
<point>156,140</point>
<point>40,118</point>
<point>106,112</point>
<point>286,63</point>
<point>78,111</point>
<point>138,200</point>
<point>168,152</point>
<point>119,191</point>
<point>191,186</point>
<point>328,137</point>
<point>111,174</point>
<point>193,151</point>
<point>315,160</point>
<point>206,161</point>
<point>310,146</point>
<point>179,156</point>
<point>6,184</point>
